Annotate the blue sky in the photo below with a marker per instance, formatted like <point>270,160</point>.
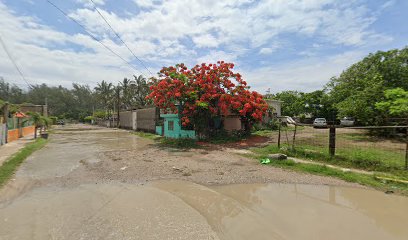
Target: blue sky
<point>276,44</point>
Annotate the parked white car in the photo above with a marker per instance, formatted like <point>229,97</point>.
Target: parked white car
<point>320,123</point>
<point>347,122</point>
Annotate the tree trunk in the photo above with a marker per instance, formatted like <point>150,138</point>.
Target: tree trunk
<point>35,132</point>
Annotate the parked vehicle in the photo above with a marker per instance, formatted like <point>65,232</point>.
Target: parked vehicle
<point>347,122</point>
<point>320,123</point>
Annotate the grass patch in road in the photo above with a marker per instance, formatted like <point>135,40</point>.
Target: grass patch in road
<point>180,143</point>
<point>11,164</point>
<point>147,135</point>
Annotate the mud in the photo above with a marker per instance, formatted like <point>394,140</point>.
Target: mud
<point>97,183</point>
<point>185,210</point>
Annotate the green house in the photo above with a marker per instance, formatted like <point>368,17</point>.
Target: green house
<point>172,127</point>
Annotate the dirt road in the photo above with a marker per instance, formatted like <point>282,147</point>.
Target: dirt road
<point>110,184</point>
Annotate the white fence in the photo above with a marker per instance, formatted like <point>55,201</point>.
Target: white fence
<point>3,133</point>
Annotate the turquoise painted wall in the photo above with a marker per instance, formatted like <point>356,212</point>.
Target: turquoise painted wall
<point>172,127</point>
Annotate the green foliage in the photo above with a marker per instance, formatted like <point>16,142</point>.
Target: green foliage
<point>273,124</point>
<point>9,167</point>
<point>363,179</point>
<point>100,114</point>
<point>88,119</point>
<point>357,90</point>
<point>53,120</point>
<point>315,104</point>
<point>371,159</point>
<point>293,105</point>
<point>147,135</point>
<point>181,143</point>
<point>396,103</point>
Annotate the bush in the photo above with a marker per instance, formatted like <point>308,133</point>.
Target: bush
<point>54,120</point>
<point>88,119</point>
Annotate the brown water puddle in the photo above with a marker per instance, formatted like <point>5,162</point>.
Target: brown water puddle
<point>185,210</point>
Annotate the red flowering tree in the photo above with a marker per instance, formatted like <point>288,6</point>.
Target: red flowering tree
<point>206,91</point>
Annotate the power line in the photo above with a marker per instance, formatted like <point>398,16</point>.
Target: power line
<point>117,35</point>
<point>92,36</point>
<point>14,63</point>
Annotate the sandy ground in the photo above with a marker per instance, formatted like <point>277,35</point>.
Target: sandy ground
<point>80,154</point>
<point>148,161</point>
<point>98,183</point>
<point>7,150</point>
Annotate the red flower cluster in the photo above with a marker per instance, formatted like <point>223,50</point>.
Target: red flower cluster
<point>214,88</point>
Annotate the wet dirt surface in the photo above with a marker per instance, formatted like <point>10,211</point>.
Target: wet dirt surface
<point>97,183</point>
<point>185,210</point>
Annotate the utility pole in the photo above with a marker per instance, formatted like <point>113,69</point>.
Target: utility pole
<point>118,102</point>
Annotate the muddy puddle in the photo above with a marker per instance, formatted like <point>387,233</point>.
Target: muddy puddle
<point>65,152</point>
<point>185,210</point>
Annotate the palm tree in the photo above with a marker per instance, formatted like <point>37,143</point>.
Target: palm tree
<point>104,91</point>
<point>39,122</point>
<point>127,93</point>
<point>141,89</point>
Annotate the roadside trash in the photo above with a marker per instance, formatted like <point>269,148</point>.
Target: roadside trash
<point>278,156</point>
<point>265,161</point>
<point>123,168</point>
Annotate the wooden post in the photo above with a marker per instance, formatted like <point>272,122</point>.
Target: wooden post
<point>5,119</point>
<point>279,135</point>
<point>406,148</point>
<point>406,152</point>
<point>294,136</point>
<point>332,141</point>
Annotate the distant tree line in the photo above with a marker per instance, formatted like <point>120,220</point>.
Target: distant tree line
<point>81,100</point>
<point>373,90</point>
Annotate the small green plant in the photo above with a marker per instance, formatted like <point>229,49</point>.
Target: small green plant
<point>147,135</point>
<point>181,143</point>
<point>88,119</point>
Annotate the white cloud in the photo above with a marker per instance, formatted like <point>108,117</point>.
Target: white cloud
<point>304,75</point>
<point>205,40</point>
<point>272,48</point>
<point>162,33</point>
<point>215,56</point>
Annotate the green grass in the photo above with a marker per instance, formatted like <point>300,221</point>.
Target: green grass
<point>9,167</point>
<point>370,159</point>
<point>363,179</point>
<point>179,143</point>
<point>147,135</point>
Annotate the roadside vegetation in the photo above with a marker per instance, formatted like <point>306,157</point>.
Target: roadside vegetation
<point>354,149</point>
<point>378,180</point>
<point>10,165</point>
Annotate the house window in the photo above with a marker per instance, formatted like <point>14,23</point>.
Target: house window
<point>171,126</point>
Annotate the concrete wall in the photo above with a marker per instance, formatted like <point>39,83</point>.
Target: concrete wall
<point>41,109</point>
<point>141,119</point>
<point>127,120</point>
<point>232,123</point>
<point>146,119</point>
<point>277,105</point>
<point>3,133</point>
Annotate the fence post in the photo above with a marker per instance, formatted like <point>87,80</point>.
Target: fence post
<point>294,136</point>
<point>279,135</point>
<point>406,152</point>
<point>406,149</point>
<point>332,141</point>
